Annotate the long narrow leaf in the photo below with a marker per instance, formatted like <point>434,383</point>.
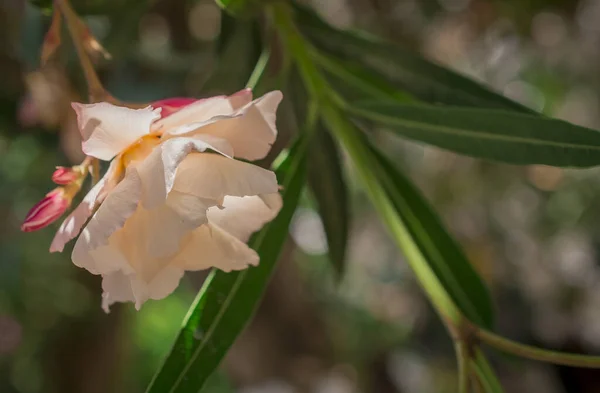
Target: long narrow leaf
<point>227,301</point>
<point>326,180</point>
<point>325,177</point>
<point>491,134</point>
<point>416,75</point>
<point>443,254</point>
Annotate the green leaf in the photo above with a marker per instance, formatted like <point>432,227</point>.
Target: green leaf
<point>508,137</point>
<point>486,377</point>
<point>326,180</point>
<point>416,75</point>
<point>357,82</point>
<point>227,301</point>
<point>441,251</point>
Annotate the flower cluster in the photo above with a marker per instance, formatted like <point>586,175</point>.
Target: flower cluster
<point>175,196</point>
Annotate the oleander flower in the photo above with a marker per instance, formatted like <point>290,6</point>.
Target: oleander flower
<point>174,197</point>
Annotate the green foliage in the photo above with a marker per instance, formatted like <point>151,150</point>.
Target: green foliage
<point>406,70</point>
<point>491,134</point>
<point>226,302</point>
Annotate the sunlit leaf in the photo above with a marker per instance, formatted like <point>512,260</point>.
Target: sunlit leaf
<point>491,134</point>
<point>227,301</point>
<point>409,71</point>
<point>441,251</point>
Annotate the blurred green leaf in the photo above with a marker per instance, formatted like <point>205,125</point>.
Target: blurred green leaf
<point>441,251</point>
<point>325,176</point>
<point>491,134</point>
<point>227,301</point>
<point>326,180</point>
<point>238,49</point>
<point>416,75</point>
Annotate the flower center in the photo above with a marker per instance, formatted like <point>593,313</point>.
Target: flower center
<point>139,149</point>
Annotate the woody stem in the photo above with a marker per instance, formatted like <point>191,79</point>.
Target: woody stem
<point>95,89</point>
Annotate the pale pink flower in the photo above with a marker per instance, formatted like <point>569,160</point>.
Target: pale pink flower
<point>46,211</point>
<point>174,198</point>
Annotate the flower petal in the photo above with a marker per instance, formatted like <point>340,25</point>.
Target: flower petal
<point>162,286</point>
<point>210,246</point>
<point>120,287</point>
<point>157,171</point>
<point>119,205</point>
<point>117,288</point>
<point>251,130</point>
<point>242,216</point>
<point>150,238</point>
<point>214,176</point>
<point>107,129</point>
<point>204,109</point>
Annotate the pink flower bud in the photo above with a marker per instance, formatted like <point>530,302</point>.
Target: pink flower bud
<point>46,211</point>
<point>63,175</point>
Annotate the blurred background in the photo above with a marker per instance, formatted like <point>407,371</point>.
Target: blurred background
<point>532,232</point>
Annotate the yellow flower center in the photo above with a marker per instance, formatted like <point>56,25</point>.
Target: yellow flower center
<point>139,149</point>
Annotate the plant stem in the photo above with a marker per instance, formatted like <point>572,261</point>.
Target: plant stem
<point>346,133</point>
<point>534,353</point>
<point>96,91</point>
<point>462,360</point>
<point>259,69</point>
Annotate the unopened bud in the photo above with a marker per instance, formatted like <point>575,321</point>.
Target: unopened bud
<point>46,211</point>
<point>63,175</point>
<point>52,38</point>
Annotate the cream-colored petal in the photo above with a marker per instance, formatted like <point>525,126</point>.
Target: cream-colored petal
<point>117,288</point>
<point>107,129</point>
<point>120,287</point>
<point>242,216</point>
<point>205,109</point>
<point>71,226</point>
<point>210,246</point>
<point>251,130</point>
<point>119,205</point>
<point>157,171</point>
<point>214,176</point>
<point>151,237</point>
<point>162,286</point>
